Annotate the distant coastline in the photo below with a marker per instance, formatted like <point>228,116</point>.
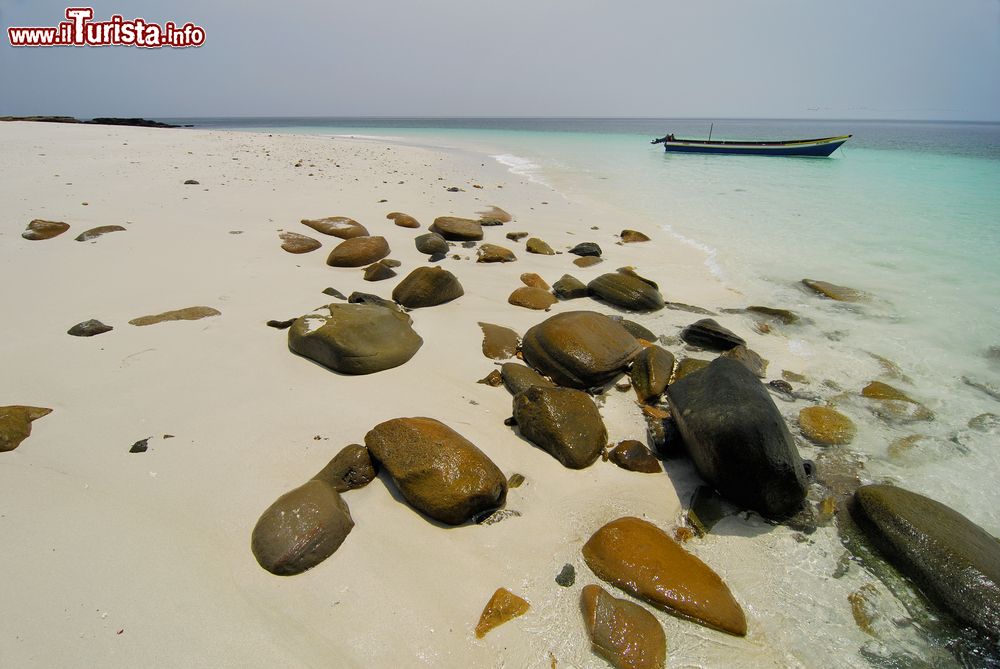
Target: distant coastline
<point>140,122</point>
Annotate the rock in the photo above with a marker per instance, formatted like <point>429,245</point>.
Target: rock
<point>793,376</point>
<point>89,328</point>
<point>427,287</point>
<point>833,291</point>
<point>680,306</point>
<point>566,576</point>
<point>438,471</point>
<point>883,391</point>
<point>391,263</point>
<point>538,247</point>
<point>587,261</point>
<point>532,280</point>
<point>563,422</point>
<point>186,314</point>
<point>579,349</point>
<point>431,243</point>
<point>622,632</point>
<point>630,271</point>
<point>895,405</point>
<point>191,182</point>
<point>632,236</point>
<point>337,226</point>
<point>280,325</point>
<point>403,220</point>
<point>707,508</point>
<point>503,606</point>
<point>333,292</point>
<point>644,561</point>
<point>689,366</point>
<point>985,422</point>
<point>738,440</point>
<point>953,560</point>
<point>15,424</point>
<point>358,252</point>
<point>708,334</point>
<point>650,373</point>
<point>494,253</point>
<point>531,298</point>
<point>569,288</point>
<point>301,529</point>
<point>40,229</point>
<point>518,378</point>
<point>350,469</point>
<point>456,229</point>
<point>494,379</point>
<point>140,446</point>
<point>494,216</point>
<point>515,480</point>
<point>635,457</point>
<point>355,338</point>
<point>499,343</point>
<point>94,233</point>
<point>586,249</point>
<point>626,291</point>
<point>378,272</point>
<point>750,360</point>
<point>634,329</point>
<point>784,315</point>
<point>293,242</point>
<point>374,300</point>
<point>826,426</point>
<point>516,236</point>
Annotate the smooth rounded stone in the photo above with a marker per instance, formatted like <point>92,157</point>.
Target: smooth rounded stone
<point>403,220</point>
<point>186,314</point>
<point>644,561</point>
<point>833,291</point>
<point>94,233</point>
<point>622,632</point>
<point>636,330</point>
<point>689,366</point>
<point>456,229</point>
<point>985,422</point>
<point>517,378</point>
<point>427,287</point>
<point>437,470</point>
<point>355,338</point>
<point>630,271</point>
<point>531,298</point>
<point>293,242</point>
<point>40,229</point>
<point>89,328</point>
<point>750,359</point>
<point>650,373</point>
<point>503,606</point>
<point>378,272</point>
<point>350,469</point>
<point>784,315</point>
<point>494,253</point>
<point>15,424</point>
<point>301,529</point>
<point>826,426</point>
<point>895,405</point>
<point>516,236</point>
<point>566,576</point>
<point>586,249</point>
<point>570,288</point>
<point>625,291</point>
<point>708,334</point>
<point>635,457</point>
<point>587,261</point>
<point>532,280</point>
<point>494,216</point>
<point>538,247</point>
<point>431,243</point>
<point>499,343</point>
<point>337,226</point>
<point>738,440</point>
<point>877,390</point>
<point>563,422</point>
<point>579,349</point>
<point>367,298</point>
<point>633,236</point>
<point>953,560</point>
<point>358,252</point>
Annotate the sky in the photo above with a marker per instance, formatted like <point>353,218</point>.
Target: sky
<point>852,59</point>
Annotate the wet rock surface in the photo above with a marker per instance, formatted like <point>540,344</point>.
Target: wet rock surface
<point>538,247</point>
<point>350,469</point>
<point>456,229</point>
<point>750,359</point>
<point>533,280</point>
<point>570,288</point>
<point>650,373</point>
<point>15,424</point>
<point>563,422</point>
<point>337,226</point>
<point>708,334</point>
<point>293,242</point>
<point>499,343</point>
<point>517,378</point>
<point>622,632</point>
<point>488,253</point>
<point>427,287</point>
<point>94,233</point>
<point>186,314</point>
<point>826,426</point>
<point>40,229</point>
<point>587,261</point>
<point>358,252</point>
<point>89,328</point>
<point>531,298</point>
<point>626,291</point>
<point>503,606</point>
<point>833,291</point>
<point>635,457</point>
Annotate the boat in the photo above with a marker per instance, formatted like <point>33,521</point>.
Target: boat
<point>821,148</point>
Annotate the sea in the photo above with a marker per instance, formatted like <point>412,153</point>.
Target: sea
<point>907,212</point>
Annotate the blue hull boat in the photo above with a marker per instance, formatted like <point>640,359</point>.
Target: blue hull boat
<point>817,148</point>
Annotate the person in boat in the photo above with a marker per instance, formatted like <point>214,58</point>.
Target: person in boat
<point>670,137</point>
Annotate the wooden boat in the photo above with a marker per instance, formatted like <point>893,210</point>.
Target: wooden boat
<point>822,147</point>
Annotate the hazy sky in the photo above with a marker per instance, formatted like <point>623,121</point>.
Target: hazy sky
<point>910,59</point>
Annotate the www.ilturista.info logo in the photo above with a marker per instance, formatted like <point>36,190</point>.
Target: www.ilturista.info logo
<point>80,30</point>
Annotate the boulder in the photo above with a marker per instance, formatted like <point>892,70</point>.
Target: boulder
<point>437,470</point>
<point>403,220</point>
<point>538,247</point>
<point>358,252</point>
<point>494,253</point>
<point>518,378</point>
<point>378,272</point>
<point>563,422</point>
<point>622,632</point>
<point>533,280</point>
<point>456,229</point>
<point>737,438</point>
<point>431,243</point>
<point>301,529</point>
<point>570,288</point>
<point>635,457</point>
<point>586,249</point>
<point>94,233</point>
<point>632,236</point>
<point>186,314</point>
<point>833,291</point>
<point>499,343</point>
<point>626,291</point>
<point>708,334</point>
<point>579,349</point>
<point>644,561</point>
<point>355,338</point>
<point>826,426</point>
<point>337,226</point>
<point>953,560</point>
<point>40,229</point>
<point>89,328</point>
<point>531,298</point>
<point>503,606</point>
<point>293,242</point>
<point>427,287</point>
<point>350,469</point>
<point>15,424</point>
<point>650,373</point>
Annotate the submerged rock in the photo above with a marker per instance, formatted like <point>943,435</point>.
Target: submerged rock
<point>538,247</point>
<point>503,606</point>
<point>358,252</point>
<point>40,229</point>
<point>186,314</point>
<point>427,287</point>
<point>563,422</point>
<point>531,298</point>
<point>833,291</point>
<point>337,226</point>
<point>784,315</point>
<point>431,243</point>
<point>89,328</point>
<point>15,424</point>
<point>499,343</point>
<point>826,426</point>
<point>626,291</point>
<point>293,242</point>
<point>708,334</point>
<point>518,378</point>
<point>570,288</point>
<point>650,373</point>
<point>622,632</point>
<point>457,229</point>
<point>94,233</point>
<point>350,469</point>
<point>403,220</point>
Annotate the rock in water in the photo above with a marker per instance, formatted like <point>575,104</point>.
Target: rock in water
<point>563,422</point>
<point>350,469</point>
<point>586,249</point>
<point>952,559</point>
<point>632,236</point>
<point>427,287</point>
<point>626,291</point>
<point>503,606</point>
<point>355,338</point>
<point>531,298</point>
<point>499,343</point>
<point>94,233</point>
<point>301,529</point>
<point>358,252</point>
<point>40,229</point>
<point>644,561</point>
<point>89,328</point>
<point>15,424</point>
<point>403,220</point>
<point>708,334</point>
<point>579,349</point>
<point>293,242</point>
<point>622,632</point>
<point>737,438</point>
<point>495,253</point>
<point>186,314</point>
<point>337,226</point>
<point>437,470</point>
<point>826,426</point>
<point>431,243</point>
<point>570,288</point>
<point>833,291</point>
<point>457,229</point>
<point>518,378</point>
<point>538,247</point>
<point>651,372</point>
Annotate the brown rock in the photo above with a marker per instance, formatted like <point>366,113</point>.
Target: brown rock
<point>651,372</point>
<point>499,343</point>
<point>570,288</point>
<point>750,359</point>
<point>378,272</point>
<point>516,236</point>
<point>708,334</point>
<point>186,314</point>
<point>15,424</point>
<point>494,379</point>
<point>495,253</point>
<point>689,366</point>
<point>296,243</point>
<point>531,298</point>
<point>403,220</point>
<point>635,457</point>
<point>833,291</point>
<point>358,252</point>
<point>338,226</point>
<point>627,291</point>
<point>632,236</point>
<point>503,606</point>
<point>427,287</point>
<point>518,378</point>
<point>895,405</point>
<point>532,280</point>
<point>495,215</point>
<point>563,422</point>
<point>350,469</point>
<point>622,632</point>
<point>826,426</point>
<point>40,229</point>
<point>89,328</point>
<point>784,315</point>
<point>94,233</point>
<point>587,261</point>
<point>539,247</point>
<point>431,243</point>
<point>457,229</point>
<point>643,560</point>
<point>883,391</point>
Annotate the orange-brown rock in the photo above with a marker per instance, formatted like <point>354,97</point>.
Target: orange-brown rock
<point>40,229</point>
<point>532,280</point>
<point>622,632</point>
<point>495,214</point>
<point>358,252</point>
<point>499,343</point>
<point>826,426</point>
<point>531,298</point>
<point>457,229</point>
<point>338,226</point>
<point>643,560</point>
<point>895,405</point>
<point>503,606</point>
<point>186,314</point>
<point>539,247</point>
<point>587,261</point>
<point>833,291</point>
<point>651,372</point>
<point>877,390</point>
<point>495,253</point>
<point>15,424</point>
<point>403,220</point>
<point>293,242</point>
<point>632,236</point>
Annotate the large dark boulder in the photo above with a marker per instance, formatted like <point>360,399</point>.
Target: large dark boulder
<point>626,291</point>
<point>737,438</point>
<point>427,287</point>
<point>563,422</point>
<point>708,334</point>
